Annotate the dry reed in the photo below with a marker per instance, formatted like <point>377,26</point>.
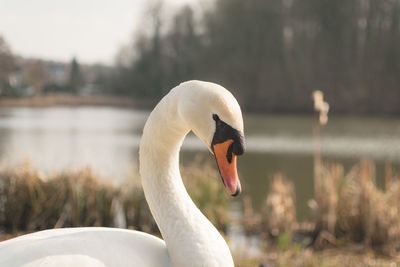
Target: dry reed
<point>350,208</point>
<point>368,214</point>
<point>278,212</point>
<point>30,201</point>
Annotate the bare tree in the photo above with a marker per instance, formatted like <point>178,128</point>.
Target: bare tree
<point>36,75</point>
<point>7,64</point>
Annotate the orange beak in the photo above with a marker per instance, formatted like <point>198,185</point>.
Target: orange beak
<point>226,161</point>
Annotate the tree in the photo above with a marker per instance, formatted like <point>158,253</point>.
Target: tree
<point>273,53</point>
<point>7,66</point>
<point>35,75</point>
<point>75,80</point>
<point>182,45</point>
<point>7,63</point>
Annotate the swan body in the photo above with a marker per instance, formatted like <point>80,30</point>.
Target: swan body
<point>190,239</point>
<point>89,246</point>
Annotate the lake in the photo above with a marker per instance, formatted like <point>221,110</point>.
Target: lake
<point>107,139</point>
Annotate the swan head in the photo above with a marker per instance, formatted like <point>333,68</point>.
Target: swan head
<point>214,115</point>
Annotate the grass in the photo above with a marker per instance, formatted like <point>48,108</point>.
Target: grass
<point>333,257</point>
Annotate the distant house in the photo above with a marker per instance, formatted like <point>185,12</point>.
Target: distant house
<point>15,79</point>
<point>57,72</point>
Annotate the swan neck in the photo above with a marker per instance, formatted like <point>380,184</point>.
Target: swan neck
<point>187,232</point>
<point>162,138</point>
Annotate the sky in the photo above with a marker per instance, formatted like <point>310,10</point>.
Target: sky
<point>91,30</point>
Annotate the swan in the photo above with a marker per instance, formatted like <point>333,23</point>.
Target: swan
<point>214,115</point>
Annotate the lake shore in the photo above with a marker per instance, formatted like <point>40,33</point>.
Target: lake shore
<point>63,99</point>
<point>332,257</point>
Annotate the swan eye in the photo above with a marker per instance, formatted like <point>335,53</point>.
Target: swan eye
<point>215,117</point>
<point>224,132</point>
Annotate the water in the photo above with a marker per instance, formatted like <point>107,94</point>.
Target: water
<point>107,139</point>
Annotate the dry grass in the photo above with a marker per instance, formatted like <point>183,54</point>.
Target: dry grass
<point>326,258</point>
<point>67,100</point>
<point>30,201</point>
<point>278,212</point>
<point>294,255</point>
<point>368,214</point>
<point>351,208</point>
<point>348,209</point>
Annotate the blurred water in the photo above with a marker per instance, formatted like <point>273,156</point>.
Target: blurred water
<point>107,139</point>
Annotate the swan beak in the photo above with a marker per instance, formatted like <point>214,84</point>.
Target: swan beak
<point>226,161</point>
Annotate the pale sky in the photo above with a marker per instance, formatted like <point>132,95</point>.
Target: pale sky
<point>91,30</point>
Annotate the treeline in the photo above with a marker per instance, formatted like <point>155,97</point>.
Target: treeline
<point>26,77</point>
<point>273,53</point>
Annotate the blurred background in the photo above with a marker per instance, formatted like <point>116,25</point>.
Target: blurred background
<point>78,80</point>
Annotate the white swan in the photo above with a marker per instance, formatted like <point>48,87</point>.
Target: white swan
<point>214,115</point>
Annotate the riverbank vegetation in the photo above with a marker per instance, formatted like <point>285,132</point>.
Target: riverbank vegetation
<point>63,99</point>
<point>350,213</point>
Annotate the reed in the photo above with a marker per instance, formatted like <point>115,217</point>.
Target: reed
<point>351,208</point>
<point>367,214</point>
<point>278,211</point>
<point>325,204</point>
<point>30,201</point>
